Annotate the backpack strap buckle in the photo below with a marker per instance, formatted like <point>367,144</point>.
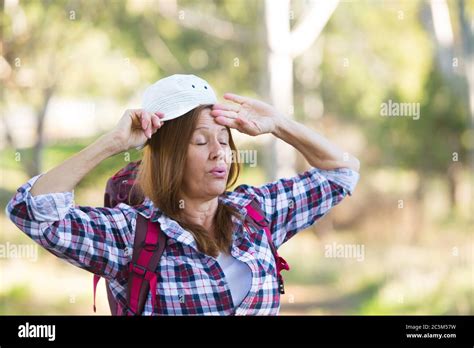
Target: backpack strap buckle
<point>151,247</point>
<point>281,285</point>
<point>137,269</point>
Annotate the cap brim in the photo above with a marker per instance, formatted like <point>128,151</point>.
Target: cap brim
<point>173,109</point>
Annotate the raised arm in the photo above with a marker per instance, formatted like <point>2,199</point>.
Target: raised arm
<point>254,117</point>
<point>95,239</point>
<point>318,151</point>
<point>132,130</point>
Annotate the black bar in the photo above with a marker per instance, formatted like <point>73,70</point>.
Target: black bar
<point>286,330</point>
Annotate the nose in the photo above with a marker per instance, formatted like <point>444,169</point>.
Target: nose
<point>217,151</point>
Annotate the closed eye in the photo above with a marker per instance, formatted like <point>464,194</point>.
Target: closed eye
<point>222,143</point>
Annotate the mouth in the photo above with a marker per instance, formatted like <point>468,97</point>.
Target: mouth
<point>219,172</point>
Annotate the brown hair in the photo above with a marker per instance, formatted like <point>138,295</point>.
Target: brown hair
<point>160,178</point>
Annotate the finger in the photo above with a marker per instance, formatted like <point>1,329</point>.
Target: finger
<point>224,121</point>
<point>143,119</point>
<point>235,98</point>
<point>155,120</point>
<point>144,124</point>
<point>244,126</point>
<point>242,121</point>
<point>159,114</point>
<point>229,114</point>
<point>226,107</point>
<point>156,125</point>
<point>147,124</point>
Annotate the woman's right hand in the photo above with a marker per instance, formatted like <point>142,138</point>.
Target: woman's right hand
<point>135,127</point>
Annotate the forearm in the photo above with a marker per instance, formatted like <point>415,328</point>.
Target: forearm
<point>69,173</point>
<point>318,151</point>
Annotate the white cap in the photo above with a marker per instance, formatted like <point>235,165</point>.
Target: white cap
<point>177,94</point>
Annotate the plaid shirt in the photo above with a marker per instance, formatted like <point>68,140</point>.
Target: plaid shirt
<point>100,240</point>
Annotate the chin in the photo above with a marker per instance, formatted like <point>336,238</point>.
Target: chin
<point>217,190</point>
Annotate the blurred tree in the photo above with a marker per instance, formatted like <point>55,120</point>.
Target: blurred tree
<point>455,64</point>
<point>364,68</point>
<point>49,48</point>
<point>284,45</point>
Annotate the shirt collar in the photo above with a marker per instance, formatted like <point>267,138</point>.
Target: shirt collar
<point>237,200</point>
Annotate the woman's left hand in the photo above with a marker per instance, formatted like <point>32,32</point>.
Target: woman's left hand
<point>247,115</point>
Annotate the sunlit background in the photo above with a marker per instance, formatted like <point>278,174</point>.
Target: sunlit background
<point>70,68</point>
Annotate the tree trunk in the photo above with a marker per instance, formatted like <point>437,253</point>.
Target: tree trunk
<point>36,165</point>
<point>454,172</point>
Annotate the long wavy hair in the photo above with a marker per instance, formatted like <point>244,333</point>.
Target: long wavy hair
<point>160,178</point>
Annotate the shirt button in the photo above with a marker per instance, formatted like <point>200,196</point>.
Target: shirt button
<point>221,283</point>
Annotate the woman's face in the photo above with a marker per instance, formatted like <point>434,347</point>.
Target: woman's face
<point>208,159</point>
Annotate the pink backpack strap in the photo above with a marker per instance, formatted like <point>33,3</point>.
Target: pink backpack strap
<point>148,247</point>
<point>96,281</point>
<point>121,188</point>
<point>256,214</point>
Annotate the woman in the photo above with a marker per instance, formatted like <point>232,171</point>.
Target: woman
<point>211,264</point>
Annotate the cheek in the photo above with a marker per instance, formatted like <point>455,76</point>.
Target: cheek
<point>196,161</point>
